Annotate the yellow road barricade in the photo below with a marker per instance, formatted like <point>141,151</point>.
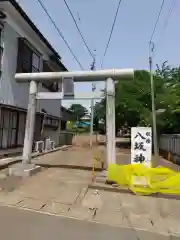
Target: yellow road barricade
<point>144,180</point>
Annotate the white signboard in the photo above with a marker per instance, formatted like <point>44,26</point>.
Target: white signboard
<point>68,87</point>
<point>141,145</point>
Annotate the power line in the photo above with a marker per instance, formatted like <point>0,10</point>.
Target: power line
<point>168,16</point>
<point>60,34</point>
<point>114,22</point>
<point>166,21</point>
<point>85,43</point>
<point>157,20</point>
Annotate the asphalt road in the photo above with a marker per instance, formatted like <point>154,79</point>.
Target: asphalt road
<point>16,224</point>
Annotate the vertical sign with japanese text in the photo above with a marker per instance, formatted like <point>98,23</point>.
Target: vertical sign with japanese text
<point>68,87</point>
<point>141,145</point>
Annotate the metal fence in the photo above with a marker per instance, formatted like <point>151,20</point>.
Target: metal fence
<point>169,146</point>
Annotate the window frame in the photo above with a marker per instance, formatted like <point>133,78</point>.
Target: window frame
<point>25,57</point>
<point>51,122</point>
<point>36,68</point>
<point>1,47</point>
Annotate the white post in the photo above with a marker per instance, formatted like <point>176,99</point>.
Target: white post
<point>30,122</point>
<point>110,122</point>
<point>91,126</point>
<point>92,117</point>
<point>59,124</point>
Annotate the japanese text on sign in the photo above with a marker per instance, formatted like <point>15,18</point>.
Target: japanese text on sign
<point>141,145</point>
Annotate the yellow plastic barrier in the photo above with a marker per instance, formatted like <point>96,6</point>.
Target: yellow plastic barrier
<point>143,180</point>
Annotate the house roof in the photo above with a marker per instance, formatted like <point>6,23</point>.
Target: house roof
<point>86,117</point>
<point>56,56</point>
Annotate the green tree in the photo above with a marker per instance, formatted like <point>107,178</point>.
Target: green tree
<point>99,109</point>
<point>133,100</point>
<point>78,110</point>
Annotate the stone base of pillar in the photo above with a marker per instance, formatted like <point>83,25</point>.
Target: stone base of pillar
<point>24,170</point>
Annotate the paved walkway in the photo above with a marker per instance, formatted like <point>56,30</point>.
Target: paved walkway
<point>81,157</point>
<point>75,157</point>
<point>65,192</point>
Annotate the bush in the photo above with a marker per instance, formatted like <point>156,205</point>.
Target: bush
<point>80,130</point>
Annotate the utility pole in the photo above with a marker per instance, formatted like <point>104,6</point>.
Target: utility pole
<point>155,160</point>
<point>92,107</point>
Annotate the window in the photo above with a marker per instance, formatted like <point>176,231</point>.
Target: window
<point>51,122</point>
<point>1,49</point>
<point>9,128</point>
<point>28,60</point>
<point>35,63</point>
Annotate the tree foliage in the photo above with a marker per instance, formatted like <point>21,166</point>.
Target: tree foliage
<point>78,110</point>
<point>133,100</point>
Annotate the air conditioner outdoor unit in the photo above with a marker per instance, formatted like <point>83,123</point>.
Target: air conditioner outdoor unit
<point>39,146</point>
<point>49,144</point>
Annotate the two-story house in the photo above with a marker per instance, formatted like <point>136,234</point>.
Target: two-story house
<point>25,49</point>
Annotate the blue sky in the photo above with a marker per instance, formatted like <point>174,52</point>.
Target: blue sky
<point>129,43</point>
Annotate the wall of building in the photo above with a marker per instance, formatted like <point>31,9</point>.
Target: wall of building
<point>51,106</point>
<point>11,92</point>
<point>52,133</point>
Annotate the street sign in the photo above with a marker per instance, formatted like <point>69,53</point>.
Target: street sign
<point>141,145</point>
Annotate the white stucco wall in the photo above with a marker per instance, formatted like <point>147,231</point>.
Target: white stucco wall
<point>11,92</point>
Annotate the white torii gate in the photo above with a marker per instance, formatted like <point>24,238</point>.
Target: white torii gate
<point>110,76</point>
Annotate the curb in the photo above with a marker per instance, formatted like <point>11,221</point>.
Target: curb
<point>110,188</point>
<point>6,162</point>
<point>172,166</point>
<point>13,155</point>
<point>62,148</point>
<point>9,163</point>
<point>47,165</point>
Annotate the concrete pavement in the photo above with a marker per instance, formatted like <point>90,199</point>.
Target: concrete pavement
<point>65,192</point>
<point>74,158</point>
<point>16,224</point>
